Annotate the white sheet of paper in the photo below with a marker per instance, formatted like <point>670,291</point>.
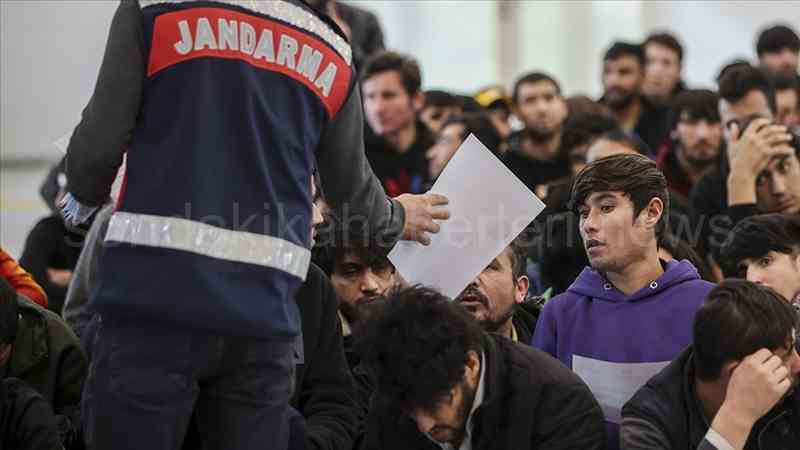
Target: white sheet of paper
<point>489,207</point>
<point>613,384</point>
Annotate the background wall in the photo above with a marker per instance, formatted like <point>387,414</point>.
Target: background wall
<point>51,49</point>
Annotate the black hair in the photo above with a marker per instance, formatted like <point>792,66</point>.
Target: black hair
<point>667,40</point>
<point>560,252</point>
<point>739,81</point>
<point>755,236</point>
<point>440,99</point>
<point>336,238</point>
<point>783,82</point>
<point>532,78</point>
<point>479,124</point>
<point>388,61</point>
<point>8,312</point>
<point>737,319</point>
<point>695,104</point>
<point>777,38</point>
<point>636,176</point>
<point>631,141</point>
<point>738,62</point>
<point>584,127</point>
<point>519,255</point>
<point>681,250</point>
<point>416,348</point>
<point>619,49</point>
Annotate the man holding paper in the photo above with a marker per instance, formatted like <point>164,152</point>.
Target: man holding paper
<point>223,130</point>
<point>630,313</point>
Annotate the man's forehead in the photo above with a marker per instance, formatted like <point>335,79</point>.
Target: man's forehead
<point>352,257</point>
<point>540,87</point>
<point>599,196</point>
<point>623,61</point>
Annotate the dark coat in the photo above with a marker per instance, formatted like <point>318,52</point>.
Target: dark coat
<point>324,393</point>
<point>524,320</point>
<point>26,420</point>
<point>48,357</point>
<point>532,401</point>
<point>669,403</point>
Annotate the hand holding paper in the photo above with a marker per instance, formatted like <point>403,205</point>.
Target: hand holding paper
<point>421,211</point>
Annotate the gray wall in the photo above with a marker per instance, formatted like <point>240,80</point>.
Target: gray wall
<point>51,49</point>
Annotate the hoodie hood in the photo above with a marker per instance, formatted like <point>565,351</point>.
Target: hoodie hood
<point>591,283</point>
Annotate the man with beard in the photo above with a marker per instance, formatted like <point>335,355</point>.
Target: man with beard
<point>695,143</point>
<point>629,314</point>
<point>360,273</point>
<point>736,387</point>
<point>778,49</point>
<point>496,298</point>
<point>763,172</point>
<point>623,75</point>
<point>533,154</point>
<point>442,382</point>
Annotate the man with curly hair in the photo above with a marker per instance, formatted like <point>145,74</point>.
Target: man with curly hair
<point>443,383</point>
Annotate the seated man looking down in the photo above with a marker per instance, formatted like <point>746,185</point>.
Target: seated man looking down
<point>735,388</point>
<point>443,383</point>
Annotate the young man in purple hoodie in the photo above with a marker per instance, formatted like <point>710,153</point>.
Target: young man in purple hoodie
<point>630,313</point>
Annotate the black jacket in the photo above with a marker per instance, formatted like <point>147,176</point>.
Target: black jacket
<point>324,392</point>
<point>524,320</point>
<point>532,172</point>
<point>366,35</point>
<point>400,173</point>
<point>711,215</point>
<point>531,401</point>
<point>50,245</point>
<point>666,414</point>
<point>48,357</point>
<point>26,420</point>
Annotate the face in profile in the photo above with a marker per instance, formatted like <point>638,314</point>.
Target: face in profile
<point>447,144</point>
<point>491,296</point>
<point>613,236</point>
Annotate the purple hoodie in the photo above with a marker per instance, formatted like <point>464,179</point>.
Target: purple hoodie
<point>595,325</point>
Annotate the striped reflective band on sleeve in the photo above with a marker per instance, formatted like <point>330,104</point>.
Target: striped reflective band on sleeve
<point>207,240</point>
<point>286,12</point>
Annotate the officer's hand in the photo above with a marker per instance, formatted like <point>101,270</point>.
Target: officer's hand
<point>421,211</point>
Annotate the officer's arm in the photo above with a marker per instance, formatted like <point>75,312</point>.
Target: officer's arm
<point>349,185</point>
<point>98,142</point>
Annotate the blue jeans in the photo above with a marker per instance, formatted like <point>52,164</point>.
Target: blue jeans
<point>146,379</point>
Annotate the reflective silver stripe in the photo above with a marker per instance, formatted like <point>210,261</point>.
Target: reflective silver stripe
<point>286,12</point>
<point>203,239</point>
